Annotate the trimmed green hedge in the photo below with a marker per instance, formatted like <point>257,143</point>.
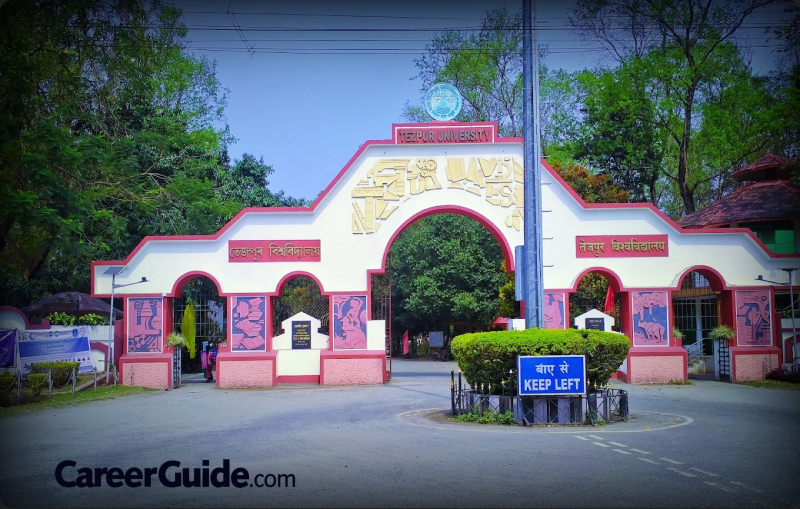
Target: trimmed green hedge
<point>62,370</point>
<point>487,357</point>
<point>37,382</point>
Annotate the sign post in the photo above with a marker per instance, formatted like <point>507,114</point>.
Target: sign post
<point>551,375</point>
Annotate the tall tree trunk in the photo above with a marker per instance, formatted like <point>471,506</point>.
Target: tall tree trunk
<point>687,195</point>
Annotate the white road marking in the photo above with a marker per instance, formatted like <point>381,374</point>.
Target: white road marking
<point>743,485</point>
<point>620,451</point>
<point>685,474</point>
<point>618,444</point>
<point>581,438</point>
<point>716,485</point>
<point>595,437</point>
<point>712,474</point>
<point>601,445</point>
<point>648,460</point>
<point>640,451</point>
<point>671,461</point>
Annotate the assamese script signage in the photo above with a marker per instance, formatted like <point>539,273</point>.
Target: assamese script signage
<point>551,375</point>
<point>621,246</point>
<point>274,251</point>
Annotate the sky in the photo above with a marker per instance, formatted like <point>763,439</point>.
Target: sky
<point>310,81</point>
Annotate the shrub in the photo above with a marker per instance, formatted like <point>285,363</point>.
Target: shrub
<point>783,375</point>
<point>94,319</point>
<point>58,318</point>
<point>487,417</point>
<point>487,357</point>
<point>68,320</point>
<point>7,381</point>
<point>37,382</point>
<point>62,370</point>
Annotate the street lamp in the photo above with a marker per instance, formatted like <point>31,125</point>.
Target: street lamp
<point>791,298</point>
<point>114,270</point>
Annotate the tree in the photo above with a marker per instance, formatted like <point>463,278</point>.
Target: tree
<point>445,269</point>
<point>246,184</point>
<point>683,56</point>
<point>592,188</point>
<point>486,68</point>
<point>108,133</point>
<point>618,137</point>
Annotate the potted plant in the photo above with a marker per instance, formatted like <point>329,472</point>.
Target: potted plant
<point>721,332</point>
<point>176,339</point>
<point>677,334</point>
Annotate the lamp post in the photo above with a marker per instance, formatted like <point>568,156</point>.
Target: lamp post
<point>114,270</point>
<point>794,330</point>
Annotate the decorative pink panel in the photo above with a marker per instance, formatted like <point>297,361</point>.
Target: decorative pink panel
<point>145,317</point>
<point>248,324</point>
<point>753,320</point>
<point>650,318</point>
<point>554,310</point>
<point>349,322</point>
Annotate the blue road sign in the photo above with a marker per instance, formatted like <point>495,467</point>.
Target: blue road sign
<point>551,375</point>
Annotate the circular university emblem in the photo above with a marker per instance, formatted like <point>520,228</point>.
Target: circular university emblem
<point>443,102</point>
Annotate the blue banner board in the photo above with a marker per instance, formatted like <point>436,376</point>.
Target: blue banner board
<point>551,375</point>
<point>55,345</point>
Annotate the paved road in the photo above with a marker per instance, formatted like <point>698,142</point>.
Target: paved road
<point>707,445</point>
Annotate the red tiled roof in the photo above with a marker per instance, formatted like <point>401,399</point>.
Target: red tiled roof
<point>769,200</point>
<point>765,163</point>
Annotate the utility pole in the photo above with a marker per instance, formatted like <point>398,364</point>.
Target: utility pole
<point>532,259</point>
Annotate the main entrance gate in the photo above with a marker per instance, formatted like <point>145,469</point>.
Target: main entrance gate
<point>343,238</point>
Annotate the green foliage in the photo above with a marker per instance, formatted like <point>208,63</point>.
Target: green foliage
<point>485,67</point>
<point>175,339</point>
<point>94,319</point>
<point>682,111</point>
<point>487,417</point>
<point>444,269</point>
<point>107,136</point>
<point>7,381</point>
<point>674,381</point>
<point>491,357</point>
<point>593,417</point>
<point>66,319</point>
<point>721,332</point>
<point>61,370</point>
<point>592,188</point>
<point>509,305</point>
<point>59,318</point>
<point>677,334</point>
<point>37,382</point>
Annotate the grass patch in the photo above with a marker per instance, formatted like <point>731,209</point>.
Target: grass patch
<point>772,384</point>
<point>680,382</point>
<point>69,399</point>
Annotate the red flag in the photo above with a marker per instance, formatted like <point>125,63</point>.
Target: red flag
<point>405,343</point>
<point>609,306</point>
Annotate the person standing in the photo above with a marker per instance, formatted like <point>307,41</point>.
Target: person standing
<point>208,361</point>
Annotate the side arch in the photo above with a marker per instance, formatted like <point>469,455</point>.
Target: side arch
<point>181,282</point>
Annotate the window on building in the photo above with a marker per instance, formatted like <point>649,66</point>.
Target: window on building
<point>778,236</point>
